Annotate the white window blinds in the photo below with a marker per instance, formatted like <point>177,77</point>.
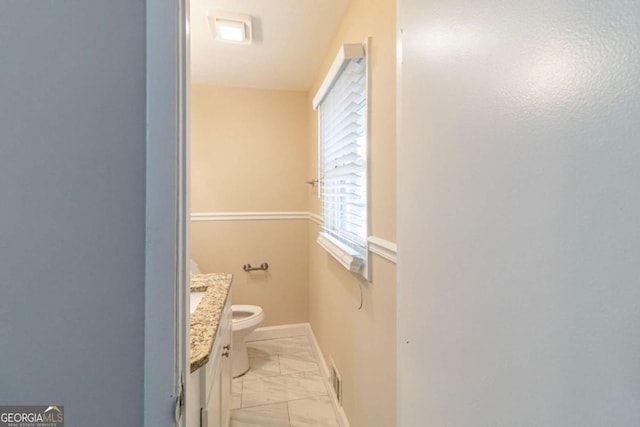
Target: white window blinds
<point>343,160</point>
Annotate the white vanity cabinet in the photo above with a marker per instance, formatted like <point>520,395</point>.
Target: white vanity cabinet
<point>212,383</point>
<point>215,382</point>
<point>225,368</point>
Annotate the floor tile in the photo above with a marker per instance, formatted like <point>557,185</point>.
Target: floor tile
<point>297,362</point>
<point>260,391</point>
<point>284,387</point>
<point>260,351</point>
<point>274,415</point>
<point>236,393</point>
<point>262,367</point>
<point>312,412</point>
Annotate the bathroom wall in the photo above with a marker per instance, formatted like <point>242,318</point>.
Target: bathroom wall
<point>518,195</point>
<point>248,154</point>
<point>362,342</point>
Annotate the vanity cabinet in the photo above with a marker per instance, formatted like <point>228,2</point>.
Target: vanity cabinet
<point>216,378</point>
<point>210,386</point>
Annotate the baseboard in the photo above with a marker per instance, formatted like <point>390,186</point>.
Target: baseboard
<point>294,330</point>
<point>280,331</point>
<point>324,368</point>
<point>342,417</point>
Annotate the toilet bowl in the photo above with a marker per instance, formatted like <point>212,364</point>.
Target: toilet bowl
<point>244,319</point>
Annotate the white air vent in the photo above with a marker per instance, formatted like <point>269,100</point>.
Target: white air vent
<point>336,381</point>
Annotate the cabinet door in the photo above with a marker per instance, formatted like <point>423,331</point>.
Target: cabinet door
<point>225,369</point>
<point>216,411</point>
<point>193,399</point>
<point>211,411</point>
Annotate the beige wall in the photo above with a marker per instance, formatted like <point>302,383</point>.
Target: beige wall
<point>248,151</point>
<point>282,291</point>
<point>362,342</point>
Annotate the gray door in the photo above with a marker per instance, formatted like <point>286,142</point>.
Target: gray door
<point>167,201</point>
<point>518,213</point>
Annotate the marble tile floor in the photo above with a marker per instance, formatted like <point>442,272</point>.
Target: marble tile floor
<point>283,388</point>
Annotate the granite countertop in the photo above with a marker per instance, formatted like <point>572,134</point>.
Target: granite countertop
<point>205,319</point>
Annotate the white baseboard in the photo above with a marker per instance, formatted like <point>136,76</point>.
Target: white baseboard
<point>294,330</point>
<point>324,370</point>
<point>280,331</point>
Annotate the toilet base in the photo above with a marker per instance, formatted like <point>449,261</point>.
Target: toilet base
<point>244,320</point>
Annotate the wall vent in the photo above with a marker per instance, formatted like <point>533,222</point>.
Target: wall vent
<point>336,381</point>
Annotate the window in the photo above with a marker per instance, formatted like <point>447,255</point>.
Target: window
<point>343,152</point>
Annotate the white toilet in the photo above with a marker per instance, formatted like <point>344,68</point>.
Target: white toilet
<point>244,319</point>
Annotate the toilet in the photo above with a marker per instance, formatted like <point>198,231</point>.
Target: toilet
<point>244,319</point>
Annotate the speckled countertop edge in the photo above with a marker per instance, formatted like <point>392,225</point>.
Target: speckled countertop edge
<point>205,319</point>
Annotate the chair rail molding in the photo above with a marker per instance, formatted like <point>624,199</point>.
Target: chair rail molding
<point>247,216</point>
<point>255,216</point>
<point>386,249</point>
<point>315,218</point>
<point>377,245</point>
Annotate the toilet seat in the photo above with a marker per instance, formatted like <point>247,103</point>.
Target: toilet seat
<point>245,316</point>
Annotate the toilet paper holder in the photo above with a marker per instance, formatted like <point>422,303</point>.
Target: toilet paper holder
<point>264,267</point>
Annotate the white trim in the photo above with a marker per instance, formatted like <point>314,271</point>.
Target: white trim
<point>384,248</point>
<point>342,253</point>
<point>377,245</point>
<point>368,268</point>
<point>315,218</point>
<point>303,329</point>
<point>280,331</point>
<point>166,310</point>
<point>324,369</point>
<point>351,260</point>
<point>247,216</point>
<point>255,216</point>
<point>346,52</point>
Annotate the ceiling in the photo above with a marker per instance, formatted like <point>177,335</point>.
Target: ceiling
<point>291,38</point>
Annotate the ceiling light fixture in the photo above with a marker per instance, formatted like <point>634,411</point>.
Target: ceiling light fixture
<point>230,27</point>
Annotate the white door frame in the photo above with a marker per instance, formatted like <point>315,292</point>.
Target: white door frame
<point>167,209</point>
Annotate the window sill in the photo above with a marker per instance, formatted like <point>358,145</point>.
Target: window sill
<point>346,256</point>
